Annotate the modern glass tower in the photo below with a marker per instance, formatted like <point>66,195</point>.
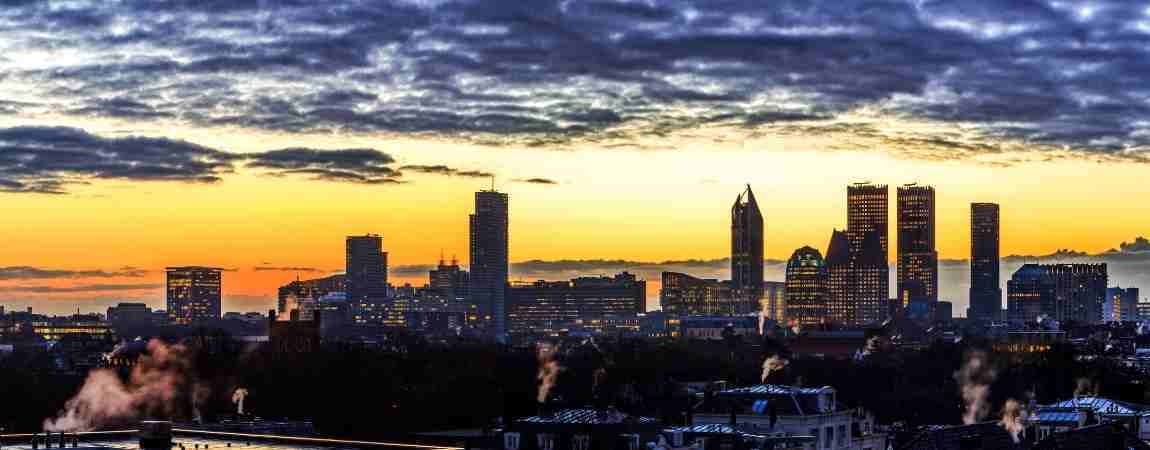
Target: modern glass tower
<point>489,262</point>
<point>746,252</point>
<point>806,287</point>
<point>985,290</point>
<point>867,224</point>
<point>917,255</point>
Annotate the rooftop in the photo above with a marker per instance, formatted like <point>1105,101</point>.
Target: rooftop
<point>776,389</point>
<point>1104,406</point>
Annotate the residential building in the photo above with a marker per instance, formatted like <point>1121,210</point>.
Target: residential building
<point>489,260</point>
<point>194,294</point>
<point>366,277</point>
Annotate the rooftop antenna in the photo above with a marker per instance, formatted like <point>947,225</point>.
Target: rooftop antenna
<point>441,256</point>
<point>492,182</point>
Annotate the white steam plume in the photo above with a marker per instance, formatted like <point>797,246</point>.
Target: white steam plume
<point>238,399</point>
<point>974,379</point>
<point>158,379</point>
<point>773,364</point>
<point>549,369</point>
<point>1014,416</point>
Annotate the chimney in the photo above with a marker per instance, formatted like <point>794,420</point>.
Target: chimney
<point>155,435</point>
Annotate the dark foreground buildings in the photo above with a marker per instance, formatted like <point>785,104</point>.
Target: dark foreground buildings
<point>985,290</point>
<point>193,294</point>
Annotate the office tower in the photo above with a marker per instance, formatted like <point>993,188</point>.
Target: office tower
<point>489,260</point>
<point>1063,292</point>
<point>448,284</point>
<point>985,290</point>
<point>869,282</point>
<point>685,295</point>
<point>774,301</point>
<point>193,294</point>
<point>866,213</point>
<point>584,303</point>
<point>840,280</point>
<point>1121,305</point>
<point>304,296</point>
<point>917,257</point>
<point>806,286</point>
<point>747,252</point>
<point>366,281</point>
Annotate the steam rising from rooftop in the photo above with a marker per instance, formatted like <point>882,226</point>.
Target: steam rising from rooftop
<point>974,380</point>
<point>549,368</point>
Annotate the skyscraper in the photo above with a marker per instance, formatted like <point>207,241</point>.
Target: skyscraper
<point>366,282</point>
<point>449,284</point>
<point>869,280</point>
<point>489,260</point>
<point>917,256</point>
<point>747,252</point>
<point>806,287</point>
<point>985,290</point>
<point>193,294</point>
<point>774,300</point>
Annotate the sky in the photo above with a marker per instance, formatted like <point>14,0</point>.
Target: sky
<point>255,136</point>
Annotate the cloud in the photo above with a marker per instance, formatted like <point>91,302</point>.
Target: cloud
<point>32,273</point>
<point>357,165</point>
<point>444,170</point>
<point>79,288</point>
<point>537,180</point>
<point>987,77</point>
<point>49,159</point>
<point>285,269</point>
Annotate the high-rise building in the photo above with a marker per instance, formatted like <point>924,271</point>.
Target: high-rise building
<point>917,256</point>
<point>366,280</point>
<point>1063,292</point>
<point>774,300</point>
<point>806,287</point>
<point>588,303</point>
<point>685,295</point>
<point>194,294</point>
<point>985,290</point>
<point>1121,305</point>
<point>489,263</point>
<point>867,235</point>
<point>747,251</point>
<point>866,213</point>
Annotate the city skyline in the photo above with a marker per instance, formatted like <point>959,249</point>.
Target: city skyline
<point>416,274</point>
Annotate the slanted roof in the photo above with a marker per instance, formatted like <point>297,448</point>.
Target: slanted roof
<point>1101,437</point>
<point>985,436</point>
<point>588,417</point>
<point>1104,406</point>
<point>1054,415</point>
<point>775,389</point>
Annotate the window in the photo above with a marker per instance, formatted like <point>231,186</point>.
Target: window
<point>830,437</point>
<point>842,435</point>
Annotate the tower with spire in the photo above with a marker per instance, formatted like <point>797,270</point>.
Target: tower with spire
<point>746,253</point>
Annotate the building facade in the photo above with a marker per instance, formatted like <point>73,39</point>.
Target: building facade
<point>304,295</point>
<point>685,295</point>
<point>584,303</point>
<point>366,277</point>
<point>194,294</point>
<point>489,260</point>
<point>747,252</point>
<point>774,300</point>
<point>449,284</point>
<point>1062,292</point>
<point>917,255</point>
<point>1121,305</point>
<point>806,287</point>
<point>985,287</point>
<point>866,232</point>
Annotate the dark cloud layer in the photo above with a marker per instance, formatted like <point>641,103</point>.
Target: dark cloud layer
<point>79,288</point>
<point>48,160</point>
<point>1056,75</point>
<point>285,269</point>
<point>31,273</point>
